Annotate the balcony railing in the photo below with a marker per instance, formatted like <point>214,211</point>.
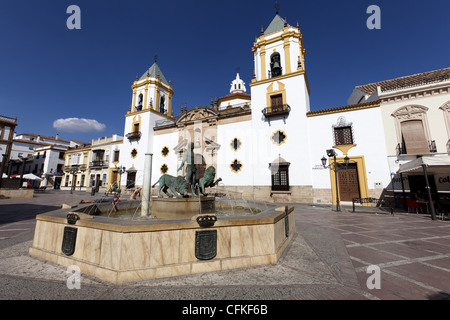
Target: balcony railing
<point>133,135</point>
<point>75,167</point>
<point>98,164</point>
<point>275,111</point>
<point>271,74</point>
<point>401,148</point>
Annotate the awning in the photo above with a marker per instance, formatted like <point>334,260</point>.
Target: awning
<point>435,165</point>
<point>31,176</point>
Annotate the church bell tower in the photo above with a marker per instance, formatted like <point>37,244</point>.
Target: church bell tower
<point>280,102</point>
<point>151,102</point>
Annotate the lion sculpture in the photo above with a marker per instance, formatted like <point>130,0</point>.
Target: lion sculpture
<point>177,185</point>
<point>208,180</point>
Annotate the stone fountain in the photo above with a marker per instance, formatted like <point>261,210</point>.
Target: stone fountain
<point>184,235</point>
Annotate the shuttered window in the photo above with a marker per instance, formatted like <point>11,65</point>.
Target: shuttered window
<point>413,135</point>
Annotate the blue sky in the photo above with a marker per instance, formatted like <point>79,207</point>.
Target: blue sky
<point>48,72</point>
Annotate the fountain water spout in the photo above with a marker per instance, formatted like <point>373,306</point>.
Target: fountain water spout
<point>146,188</point>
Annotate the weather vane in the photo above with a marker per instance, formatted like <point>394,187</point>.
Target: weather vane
<point>156,57</point>
<point>277,7</point>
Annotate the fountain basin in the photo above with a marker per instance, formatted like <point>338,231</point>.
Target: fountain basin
<point>120,251</point>
<point>181,208</point>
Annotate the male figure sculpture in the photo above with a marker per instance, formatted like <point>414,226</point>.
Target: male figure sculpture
<point>189,159</point>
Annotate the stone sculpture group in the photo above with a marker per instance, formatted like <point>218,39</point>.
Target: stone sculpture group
<point>179,186</point>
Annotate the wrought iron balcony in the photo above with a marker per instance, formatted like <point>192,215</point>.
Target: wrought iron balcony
<point>401,148</point>
<point>135,135</point>
<point>98,164</point>
<point>75,167</point>
<point>432,145</point>
<point>276,111</point>
<point>271,74</point>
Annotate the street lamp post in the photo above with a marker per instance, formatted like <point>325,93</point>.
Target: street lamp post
<point>22,171</point>
<point>336,167</point>
<point>2,167</point>
<point>72,187</point>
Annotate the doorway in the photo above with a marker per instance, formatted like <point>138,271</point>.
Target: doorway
<point>349,183</point>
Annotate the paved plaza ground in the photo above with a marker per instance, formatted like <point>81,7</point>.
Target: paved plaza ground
<point>328,259</point>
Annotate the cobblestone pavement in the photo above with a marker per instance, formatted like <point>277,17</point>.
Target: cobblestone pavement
<point>328,259</point>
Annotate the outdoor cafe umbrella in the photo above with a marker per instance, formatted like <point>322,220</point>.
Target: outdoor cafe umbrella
<point>31,176</point>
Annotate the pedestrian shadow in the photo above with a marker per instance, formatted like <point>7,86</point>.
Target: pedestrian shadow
<point>10,213</point>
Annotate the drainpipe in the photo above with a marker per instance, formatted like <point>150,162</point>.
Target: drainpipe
<point>147,188</point>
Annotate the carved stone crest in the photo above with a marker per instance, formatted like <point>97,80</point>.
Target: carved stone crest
<point>69,240</point>
<point>205,244</point>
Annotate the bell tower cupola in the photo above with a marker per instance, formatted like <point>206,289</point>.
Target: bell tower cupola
<point>152,92</point>
<point>238,85</point>
<point>278,51</point>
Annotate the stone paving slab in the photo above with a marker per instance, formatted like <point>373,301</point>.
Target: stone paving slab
<point>327,260</point>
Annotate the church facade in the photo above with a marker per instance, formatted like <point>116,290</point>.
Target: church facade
<point>267,144</point>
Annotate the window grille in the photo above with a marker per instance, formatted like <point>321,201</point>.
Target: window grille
<point>343,135</point>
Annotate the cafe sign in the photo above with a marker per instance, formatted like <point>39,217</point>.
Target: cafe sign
<point>442,182</point>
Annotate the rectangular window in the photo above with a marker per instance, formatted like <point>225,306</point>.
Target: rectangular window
<point>116,155</point>
<point>276,100</point>
<point>131,178</point>
<point>280,179</point>
<point>413,137</point>
<point>343,135</point>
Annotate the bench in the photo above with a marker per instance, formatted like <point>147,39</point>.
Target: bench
<point>379,202</point>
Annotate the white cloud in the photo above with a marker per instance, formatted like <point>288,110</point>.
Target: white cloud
<point>78,125</point>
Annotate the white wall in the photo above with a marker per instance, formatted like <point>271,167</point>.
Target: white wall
<point>296,148</point>
<point>226,155</point>
<point>143,145</point>
<point>169,140</point>
<point>368,137</point>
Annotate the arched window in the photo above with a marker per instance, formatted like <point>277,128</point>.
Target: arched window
<point>161,105</point>
<point>275,65</point>
<point>140,101</point>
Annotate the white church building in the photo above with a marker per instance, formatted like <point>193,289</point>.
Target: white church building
<point>268,145</point>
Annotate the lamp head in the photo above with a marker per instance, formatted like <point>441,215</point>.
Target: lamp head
<point>331,152</point>
<point>346,160</point>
